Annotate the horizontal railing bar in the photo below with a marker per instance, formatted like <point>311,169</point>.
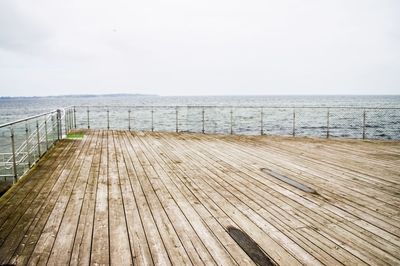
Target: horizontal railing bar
<point>27,119</point>
<point>6,175</point>
<point>234,106</point>
<point>18,156</point>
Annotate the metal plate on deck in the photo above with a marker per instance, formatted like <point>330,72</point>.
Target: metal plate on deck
<point>250,247</point>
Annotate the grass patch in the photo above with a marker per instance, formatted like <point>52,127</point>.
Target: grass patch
<point>75,135</point>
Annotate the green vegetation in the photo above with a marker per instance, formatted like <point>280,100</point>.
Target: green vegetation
<point>75,135</point>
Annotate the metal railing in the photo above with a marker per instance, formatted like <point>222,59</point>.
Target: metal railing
<point>29,139</point>
<point>346,122</point>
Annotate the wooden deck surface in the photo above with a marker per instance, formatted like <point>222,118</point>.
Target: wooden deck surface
<point>123,198</point>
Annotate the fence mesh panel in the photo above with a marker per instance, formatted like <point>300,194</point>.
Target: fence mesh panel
<point>278,121</point>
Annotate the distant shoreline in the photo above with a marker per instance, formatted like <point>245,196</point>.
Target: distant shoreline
<point>156,95</point>
<point>81,96</point>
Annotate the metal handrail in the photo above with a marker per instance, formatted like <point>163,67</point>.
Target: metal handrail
<point>22,147</point>
<point>28,118</point>
<point>21,155</point>
<point>329,112</point>
<point>239,107</point>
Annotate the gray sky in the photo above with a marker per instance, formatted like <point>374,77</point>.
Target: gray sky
<point>204,47</point>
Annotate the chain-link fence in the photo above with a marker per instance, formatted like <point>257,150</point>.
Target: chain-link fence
<point>346,122</point>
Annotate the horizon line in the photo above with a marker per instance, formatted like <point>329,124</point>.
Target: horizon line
<point>187,95</point>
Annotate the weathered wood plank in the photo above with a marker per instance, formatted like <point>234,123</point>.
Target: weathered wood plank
<point>148,198</point>
<point>178,210</point>
<point>33,206</point>
<point>174,247</point>
<point>83,238</point>
<point>391,259</point>
<point>157,248</point>
<point>64,239</point>
<point>21,198</point>
<point>120,250</point>
<point>100,249</point>
<point>24,251</point>
<point>229,199</point>
<point>45,243</point>
<point>138,242</point>
<point>212,233</point>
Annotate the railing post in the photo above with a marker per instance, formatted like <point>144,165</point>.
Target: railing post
<point>38,137</point>
<point>129,119</point>
<point>202,120</point>
<point>152,120</point>
<point>108,119</point>
<point>88,123</point>
<point>71,112</point>
<point>176,120</point>
<point>45,130</point>
<point>52,128</point>
<point>262,121</point>
<point>54,125</point>
<point>231,121</point>
<point>74,117</point>
<point>71,119</point>
<point>13,155</point>
<point>133,120</point>
<point>294,122</point>
<point>327,123</point>
<point>364,117</point>
<point>66,121</point>
<point>28,154</point>
<point>58,124</point>
<point>67,114</point>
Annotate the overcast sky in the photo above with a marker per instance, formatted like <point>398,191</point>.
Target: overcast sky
<point>203,47</point>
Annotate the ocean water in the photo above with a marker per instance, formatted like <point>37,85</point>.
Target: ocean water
<point>243,116</point>
<point>16,108</point>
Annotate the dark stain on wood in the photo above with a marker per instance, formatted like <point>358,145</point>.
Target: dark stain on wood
<point>249,246</point>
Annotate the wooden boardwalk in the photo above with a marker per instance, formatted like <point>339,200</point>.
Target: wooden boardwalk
<point>121,198</point>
